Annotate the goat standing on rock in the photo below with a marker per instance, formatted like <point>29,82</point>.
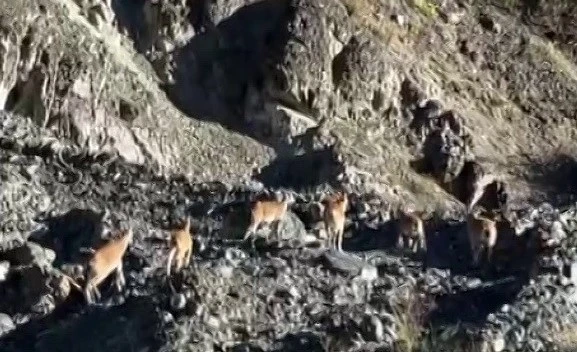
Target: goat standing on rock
<point>181,247</point>
<point>482,232</point>
<point>104,261</point>
<point>334,219</point>
<point>411,230</point>
<point>267,212</point>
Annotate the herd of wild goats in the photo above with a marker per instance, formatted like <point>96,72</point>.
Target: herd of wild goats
<point>480,223</point>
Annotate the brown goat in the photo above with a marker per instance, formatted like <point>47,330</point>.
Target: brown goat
<point>104,261</point>
<point>334,219</point>
<point>266,212</point>
<point>411,230</point>
<point>482,232</point>
<point>181,248</point>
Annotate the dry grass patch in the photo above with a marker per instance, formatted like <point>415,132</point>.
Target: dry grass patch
<point>427,8</point>
<point>369,16</point>
<point>548,51</point>
<point>415,334</point>
<point>567,338</point>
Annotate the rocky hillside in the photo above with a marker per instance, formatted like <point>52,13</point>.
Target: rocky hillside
<point>137,113</point>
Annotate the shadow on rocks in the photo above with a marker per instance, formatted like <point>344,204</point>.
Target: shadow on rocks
<point>297,342</point>
<point>489,286</point>
<point>555,178</point>
<point>301,341</point>
<point>131,326</point>
<point>474,305</point>
<point>371,237</point>
<point>303,171</point>
<point>214,70</point>
<point>448,248</point>
<point>69,232</point>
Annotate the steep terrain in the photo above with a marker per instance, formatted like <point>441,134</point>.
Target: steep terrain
<point>151,110</point>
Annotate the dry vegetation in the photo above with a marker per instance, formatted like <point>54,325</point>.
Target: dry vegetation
<point>567,338</point>
<point>415,334</point>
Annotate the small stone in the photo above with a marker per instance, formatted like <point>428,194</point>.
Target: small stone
<point>6,324</point>
<point>167,317</point>
<point>564,281</point>
<point>4,268</point>
<point>225,271</point>
<point>536,345</point>
<point>498,343</point>
<point>42,255</point>
<point>473,283</point>
<point>557,231</point>
<point>400,19</point>
<point>30,171</point>
<point>369,273</point>
<point>213,322</point>
<point>199,310</point>
<point>310,238</point>
<point>178,301</point>
<point>293,291</point>
<point>44,305</point>
<point>233,255</point>
<point>61,288</point>
<point>454,17</point>
<point>21,318</point>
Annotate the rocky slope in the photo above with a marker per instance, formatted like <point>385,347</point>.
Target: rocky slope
<point>153,110</point>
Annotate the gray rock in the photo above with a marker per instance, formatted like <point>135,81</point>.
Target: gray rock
<point>6,324</point>
<point>234,255</point>
<point>167,317</point>
<point>225,271</point>
<point>498,343</point>
<point>473,283</point>
<point>213,322</point>
<point>454,17</point>
<point>400,19</point>
<point>4,268</point>
<point>31,253</point>
<point>369,273</point>
<point>178,301</point>
<point>293,291</point>
<point>291,228</point>
<point>344,262</point>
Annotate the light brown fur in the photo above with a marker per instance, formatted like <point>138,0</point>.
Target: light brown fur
<point>265,212</point>
<point>334,219</point>
<point>104,261</point>
<point>482,232</point>
<point>181,248</point>
<point>411,231</point>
